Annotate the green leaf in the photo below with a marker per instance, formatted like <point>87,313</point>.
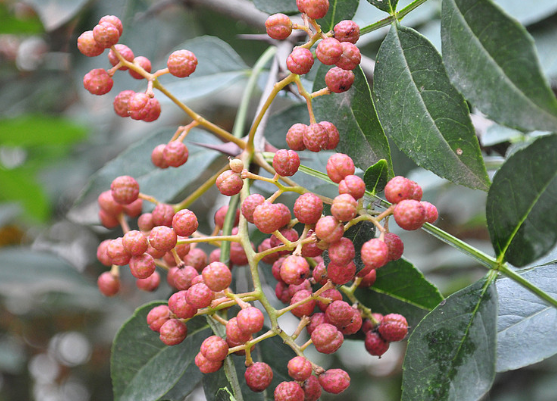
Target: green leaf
<point>422,112</point>
<point>389,6</point>
<point>136,162</point>
<point>338,10</point>
<point>353,113</point>
<point>144,368</point>
<point>277,6</point>
<point>401,288</point>
<point>20,185</point>
<point>36,130</point>
<point>218,67</point>
<point>521,204</point>
<point>30,272</point>
<point>524,333</point>
<point>491,59</point>
<point>377,176</point>
<point>54,13</point>
<point>451,353</point>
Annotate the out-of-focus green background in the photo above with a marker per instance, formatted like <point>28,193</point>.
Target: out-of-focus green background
<point>55,328</point>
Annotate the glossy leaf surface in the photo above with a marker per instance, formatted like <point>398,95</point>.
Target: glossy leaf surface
<point>451,353</point>
<point>423,113</point>
<point>143,367</point>
<point>525,324</point>
<point>491,59</point>
<point>521,204</point>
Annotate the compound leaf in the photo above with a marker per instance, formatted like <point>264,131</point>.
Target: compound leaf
<point>525,324</point>
<point>423,113</point>
<point>491,59</point>
<point>451,353</point>
<point>521,204</point>
<point>143,367</point>
<point>353,113</point>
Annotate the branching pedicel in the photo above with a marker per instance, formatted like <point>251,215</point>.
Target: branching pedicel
<point>167,237</point>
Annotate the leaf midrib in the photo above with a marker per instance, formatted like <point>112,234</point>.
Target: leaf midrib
<point>492,61</point>
<point>430,118</point>
<point>523,218</point>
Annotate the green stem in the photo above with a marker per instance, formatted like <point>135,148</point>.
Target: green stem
<point>201,190</point>
<point>196,117</point>
<point>276,89</point>
<point>482,258</point>
<point>391,18</point>
<point>240,122</point>
<point>227,228</point>
<point>517,278</point>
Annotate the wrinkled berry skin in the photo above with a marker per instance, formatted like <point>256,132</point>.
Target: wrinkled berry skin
<point>158,316</point>
<point>334,381</point>
<point>374,344</point>
<point>339,80</point>
<point>229,183</point>
<point>299,368</point>
<point>300,61</point>
<point>173,332</point>
<point>308,208</point>
<point>258,376</point>
<point>278,26</point>
<point>98,82</point>
<point>329,51</point>
<point>182,63</point>
<point>289,391</point>
<point>250,320</point>
<point>393,327</point>
<point>347,31</point>
<point>410,214</point>
<point>286,162</point>
<point>327,338</point>
<point>312,389</point>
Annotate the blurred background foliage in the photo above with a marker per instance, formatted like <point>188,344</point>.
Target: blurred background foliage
<point>55,328</point>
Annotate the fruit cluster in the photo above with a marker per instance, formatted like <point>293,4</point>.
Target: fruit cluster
<point>316,266</point>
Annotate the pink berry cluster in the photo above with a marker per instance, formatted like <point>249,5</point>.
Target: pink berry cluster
<point>317,288</point>
<point>410,212</point>
<point>138,106</point>
<point>387,329</point>
<point>336,48</point>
